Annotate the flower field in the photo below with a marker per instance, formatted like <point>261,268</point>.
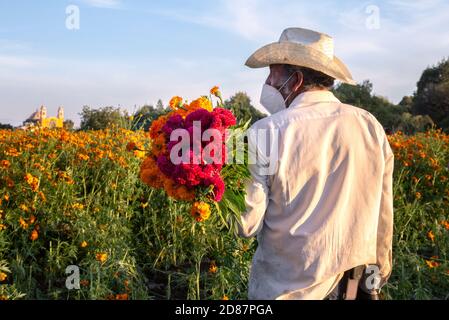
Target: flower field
<point>76,198</point>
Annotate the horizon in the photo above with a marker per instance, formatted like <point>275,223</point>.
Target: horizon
<point>128,54</point>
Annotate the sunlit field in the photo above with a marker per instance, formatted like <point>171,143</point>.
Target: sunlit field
<point>76,199</point>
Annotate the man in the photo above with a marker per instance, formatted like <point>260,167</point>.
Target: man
<point>324,205</point>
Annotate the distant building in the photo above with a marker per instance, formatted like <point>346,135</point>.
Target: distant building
<point>39,119</point>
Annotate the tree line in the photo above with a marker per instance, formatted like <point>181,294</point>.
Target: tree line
<point>427,107</point>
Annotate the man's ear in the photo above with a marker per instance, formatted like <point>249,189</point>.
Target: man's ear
<point>299,81</point>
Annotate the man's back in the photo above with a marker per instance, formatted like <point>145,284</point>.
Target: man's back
<point>330,191</point>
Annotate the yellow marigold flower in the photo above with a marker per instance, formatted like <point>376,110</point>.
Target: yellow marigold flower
<point>175,102</point>
<point>2,226</point>
<point>23,223</point>
<point>200,211</point>
<point>24,207</point>
<point>201,103</point>
<point>78,206</point>
<point>102,257</point>
<point>5,164</point>
<point>34,235</point>
<point>83,244</point>
<point>431,236</point>
<point>3,276</point>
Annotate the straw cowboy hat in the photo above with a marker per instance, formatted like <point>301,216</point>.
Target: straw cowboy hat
<point>305,48</point>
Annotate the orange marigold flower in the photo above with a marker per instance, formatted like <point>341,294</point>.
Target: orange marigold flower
<point>5,164</point>
<point>42,196</point>
<point>84,282</point>
<point>183,193</point>
<point>150,173</point>
<point>102,257</point>
<point>34,235</point>
<point>156,126</point>
<point>123,296</point>
<point>432,264</point>
<point>200,211</point>
<point>9,182</point>
<point>32,181</point>
<point>215,91</point>
<point>213,267</point>
<point>32,219</point>
<point>3,276</point>
<point>131,146</point>
<point>175,102</point>
<point>82,157</point>
<point>445,224</point>
<point>225,297</point>
<point>418,195</point>
<point>2,226</point>
<point>431,236</point>
<point>83,244</point>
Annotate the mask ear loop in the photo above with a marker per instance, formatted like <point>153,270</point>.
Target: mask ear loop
<point>302,80</point>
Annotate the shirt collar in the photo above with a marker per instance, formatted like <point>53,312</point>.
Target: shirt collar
<point>315,96</point>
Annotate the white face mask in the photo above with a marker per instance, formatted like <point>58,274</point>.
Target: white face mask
<point>271,98</point>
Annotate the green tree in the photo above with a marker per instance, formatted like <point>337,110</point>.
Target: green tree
<point>160,105</point>
<point>241,107</point>
<point>6,126</point>
<point>68,125</point>
<point>146,114</point>
<point>392,117</point>
<point>98,119</point>
<point>432,95</point>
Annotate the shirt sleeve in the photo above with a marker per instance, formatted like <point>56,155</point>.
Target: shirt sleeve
<point>385,225</point>
<point>257,190</point>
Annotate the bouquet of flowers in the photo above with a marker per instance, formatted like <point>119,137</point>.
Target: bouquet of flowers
<point>190,158</point>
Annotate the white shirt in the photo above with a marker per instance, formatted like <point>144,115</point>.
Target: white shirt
<point>327,208</point>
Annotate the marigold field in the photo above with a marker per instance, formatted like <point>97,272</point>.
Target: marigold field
<point>75,198</point>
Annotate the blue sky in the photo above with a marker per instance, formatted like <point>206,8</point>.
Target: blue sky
<point>127,53</point>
